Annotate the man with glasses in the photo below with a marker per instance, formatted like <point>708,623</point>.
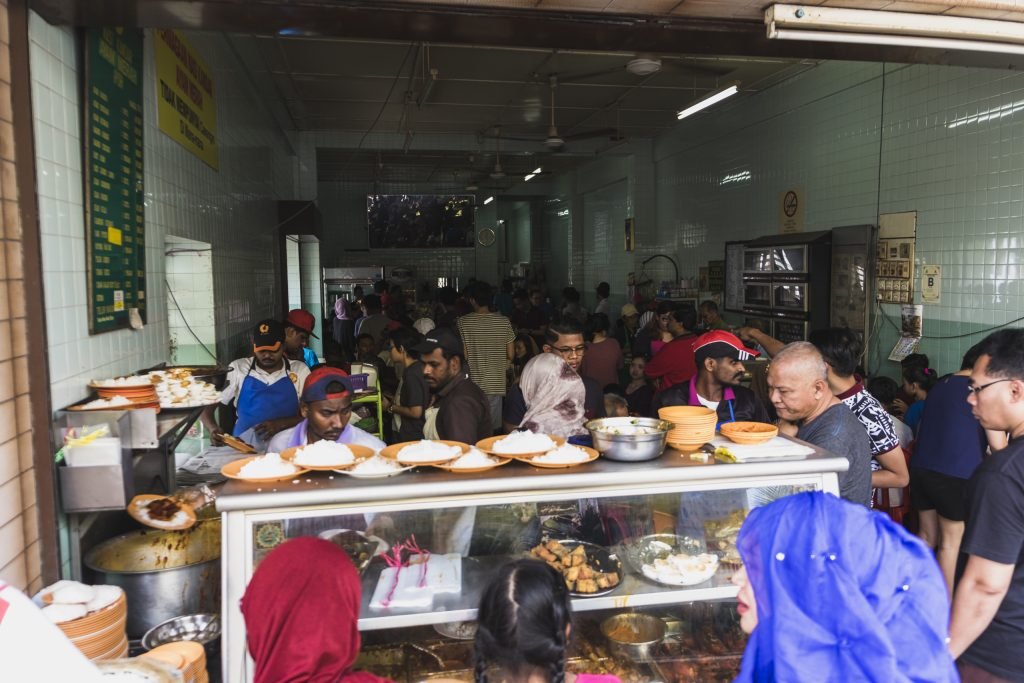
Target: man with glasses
<point>564,339</point>
<point>326,409</point>
<point>987,627</point>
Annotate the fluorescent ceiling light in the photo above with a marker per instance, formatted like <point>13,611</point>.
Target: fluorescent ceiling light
<point>735,178</point>
<point>537,171</point>
<point>488,201</point>
<point>713,98</point>
<point>993,114</point>
<point>874,27</point>
<point>530,176</point>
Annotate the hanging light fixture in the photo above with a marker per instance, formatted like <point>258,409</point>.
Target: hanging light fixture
<point>712,98</point>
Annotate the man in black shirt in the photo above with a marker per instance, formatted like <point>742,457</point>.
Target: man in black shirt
<point>719,356</point>
<point>463,411</point>
<point>987,626</point>
<point>564,339</point>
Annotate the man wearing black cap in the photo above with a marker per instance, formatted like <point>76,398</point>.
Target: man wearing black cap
<point>265,389</point>
<point>326,409</point>
<point>719,356</point>
<point>461,411</point>
<point>298,328</point>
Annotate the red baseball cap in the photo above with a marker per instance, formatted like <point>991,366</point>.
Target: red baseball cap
<point>721,344</point>
<point>315,388</point>
<point>301,320</point>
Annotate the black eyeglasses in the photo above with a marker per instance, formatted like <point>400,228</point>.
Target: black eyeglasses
<point>977,390</point>
<point>570,350</point>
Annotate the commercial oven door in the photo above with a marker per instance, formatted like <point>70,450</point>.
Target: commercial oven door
<point>790,297</point>
<point>757,294</point>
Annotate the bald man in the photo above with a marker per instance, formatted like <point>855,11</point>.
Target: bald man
<point>798,388</point>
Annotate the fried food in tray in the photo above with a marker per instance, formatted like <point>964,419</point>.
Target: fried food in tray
<point>587,569</point>
<point>699,669</point>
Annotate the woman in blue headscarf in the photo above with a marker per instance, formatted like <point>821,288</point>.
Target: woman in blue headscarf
<point>834,592</point>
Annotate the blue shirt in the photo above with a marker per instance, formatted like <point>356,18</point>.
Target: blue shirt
<point>912,418</point>
<point>950,440</point>
<point>309,357</point>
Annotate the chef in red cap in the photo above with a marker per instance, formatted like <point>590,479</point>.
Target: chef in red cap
<point>326,408</point>
<point>719,356</point>
<point>298,328</point>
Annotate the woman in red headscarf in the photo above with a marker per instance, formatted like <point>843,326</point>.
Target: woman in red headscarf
<point>300,610</point>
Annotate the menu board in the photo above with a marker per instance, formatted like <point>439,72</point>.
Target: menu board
<point>115,236</point>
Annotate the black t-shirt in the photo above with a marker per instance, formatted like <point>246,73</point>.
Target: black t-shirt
<point>839,431</point>
<point>995,531</point>
<point>415,392</point>
<point>514,409</point>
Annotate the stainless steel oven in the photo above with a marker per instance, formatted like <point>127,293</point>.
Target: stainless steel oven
<point>757,261</point>
<point>789,297</point>
<point>788,331</point>
<point>789,259</point>
<point>757,295</point>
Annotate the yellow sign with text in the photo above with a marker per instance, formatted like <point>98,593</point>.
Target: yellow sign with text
<point>186,106</point>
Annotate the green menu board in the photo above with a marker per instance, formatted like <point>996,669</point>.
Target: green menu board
<point>115,234</point>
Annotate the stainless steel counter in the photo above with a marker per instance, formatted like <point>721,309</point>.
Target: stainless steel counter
<point>671,471</point>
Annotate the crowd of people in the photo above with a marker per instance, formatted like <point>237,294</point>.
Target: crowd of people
<point>479,362</point>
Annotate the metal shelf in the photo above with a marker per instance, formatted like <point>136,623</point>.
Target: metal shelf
<point>633,591</point>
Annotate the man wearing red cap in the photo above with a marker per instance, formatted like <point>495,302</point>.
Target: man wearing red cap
<point>298,328</point>
<point>719,356</point>
<point>326,409</point>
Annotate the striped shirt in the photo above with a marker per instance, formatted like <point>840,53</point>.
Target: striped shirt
<point>486,337</point>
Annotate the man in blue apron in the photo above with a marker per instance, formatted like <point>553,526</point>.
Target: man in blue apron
<point>298,328</point>
<point>265,389</point>
<point>719,356</point>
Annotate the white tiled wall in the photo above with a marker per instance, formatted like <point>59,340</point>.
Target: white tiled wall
<point>232,209</point>
<point>859,139</point>
<point>311,282</point>
<point>190,305</point>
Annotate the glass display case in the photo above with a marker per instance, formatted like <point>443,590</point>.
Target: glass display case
<point>625,519</point>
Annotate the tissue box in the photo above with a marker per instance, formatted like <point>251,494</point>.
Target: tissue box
<point>359,382</point>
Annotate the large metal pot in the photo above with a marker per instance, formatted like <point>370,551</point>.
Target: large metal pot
<point>633,635</point>
<point>164,574</point>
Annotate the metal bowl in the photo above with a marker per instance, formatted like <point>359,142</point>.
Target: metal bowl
<point>616,437</point>
<point>201,628</point>
<point>633,635</point>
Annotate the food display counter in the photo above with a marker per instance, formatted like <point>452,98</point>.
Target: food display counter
<point>482,520</point>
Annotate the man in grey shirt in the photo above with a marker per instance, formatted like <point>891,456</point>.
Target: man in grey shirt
<point>798,388</point>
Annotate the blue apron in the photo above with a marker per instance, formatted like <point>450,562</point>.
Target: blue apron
<point>258,402</point>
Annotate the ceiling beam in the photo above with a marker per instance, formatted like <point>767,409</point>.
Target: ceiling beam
<point>485,26</point>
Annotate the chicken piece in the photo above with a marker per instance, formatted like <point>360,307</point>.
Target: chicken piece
<point>556,566</point>
<point>588,586</point>
<point>602,581</point>
<point>567,560</point>
<point>557,548</point>
<point>547,556</point>
<point>569,584</point>
<point>613,578</point>
<point>574,574</point>
<point>578,560</point>
<point>580,551</point>
<point>586,572</point>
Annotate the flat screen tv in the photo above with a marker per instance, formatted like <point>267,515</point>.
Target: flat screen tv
<point>420,221</point>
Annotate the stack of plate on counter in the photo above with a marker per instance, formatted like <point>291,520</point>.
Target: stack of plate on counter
<point>186,656</point>
<point>92,617</point>
<point>692,426</point>
<point>139,390</point>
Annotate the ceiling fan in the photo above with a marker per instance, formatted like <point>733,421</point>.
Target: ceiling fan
<point>554,141</point>
<point>644,64</point>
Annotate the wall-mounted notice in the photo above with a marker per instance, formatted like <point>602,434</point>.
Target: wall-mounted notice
<point>115,239</point>
<point>186,107</point>
<point>931,284</point>
<point>791,211</point>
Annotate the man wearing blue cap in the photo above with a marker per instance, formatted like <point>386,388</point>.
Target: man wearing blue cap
<point>326,411</point>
